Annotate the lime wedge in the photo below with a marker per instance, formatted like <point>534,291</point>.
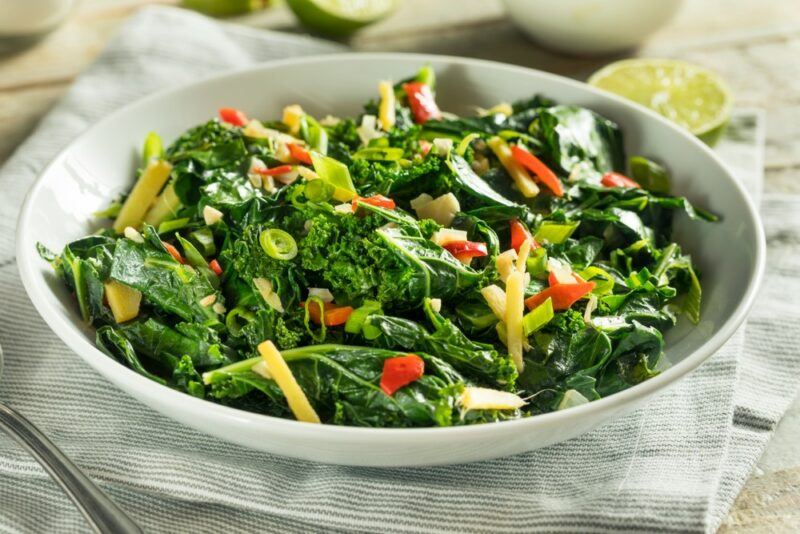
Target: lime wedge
<point>225,8</point>
<point>340,17</point>
<point>687,94</point>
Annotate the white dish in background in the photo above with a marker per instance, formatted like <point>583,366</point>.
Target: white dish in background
<point>590,27</point>
<point>100,164</point>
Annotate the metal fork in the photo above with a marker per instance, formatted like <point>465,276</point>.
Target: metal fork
<point>99,510</point>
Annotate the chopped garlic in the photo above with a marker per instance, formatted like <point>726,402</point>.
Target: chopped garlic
<point>330,120</point>
<point>420,201</point>
<point>443,146</point>
<point>256,165</point>
<point>264,288</point>
<point>323,293</point>
<point>211,215</point>
<point>442,209</point>
<point>386,111</point>
<point>283,154</point>
<point>572,398</point>
<point>133,234</point>
<point>292,115</point>
<point>436,305</point>
<point>474,398</point>
<point>591,306</point>
<point>505,263</point>
<point>496,299</point>
<point>255,180</point>
<point>288,177</point>
<point>445,236</point>
<point>268,183</point>
<point>368,129</point>
<point>218,307</point>
<point>345,207</point>
<point>208,300</point>
<point>504,108</point>
<point>307,173</point>
<point>561,271</point>
<point>257,130</point>
<point>261,369</point>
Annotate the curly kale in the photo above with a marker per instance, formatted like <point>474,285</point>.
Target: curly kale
<point>355,280</point>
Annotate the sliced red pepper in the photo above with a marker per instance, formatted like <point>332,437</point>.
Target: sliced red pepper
<point>216,267</point>
<point>539,169</point>
<point>553,281</point>
<point>421,101</point>
<point>615,179</point>
<point>233,116</point>
<point>299,153</point>
<point>335,315</point>
<point>563,295</point>
<point>520,234</point>
<point>400,371</point>
<point>425,147</point>
<point>274,171</point>
<point>173,252</point>
<point>466,249</point>
<point>375,200</point>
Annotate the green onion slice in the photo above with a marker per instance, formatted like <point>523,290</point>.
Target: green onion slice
<point>278,244</point>
<point>537,318</point>
<point>555,233</point>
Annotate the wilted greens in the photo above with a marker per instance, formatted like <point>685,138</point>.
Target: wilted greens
<point>350,243</point>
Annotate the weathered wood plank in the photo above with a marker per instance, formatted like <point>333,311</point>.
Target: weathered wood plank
<point>768,503</point>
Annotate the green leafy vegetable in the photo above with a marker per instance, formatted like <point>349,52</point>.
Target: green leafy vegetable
<point>340,291</point>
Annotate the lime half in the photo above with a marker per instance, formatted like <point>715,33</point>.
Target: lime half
<point>340,17</point>
<point>687,94</point>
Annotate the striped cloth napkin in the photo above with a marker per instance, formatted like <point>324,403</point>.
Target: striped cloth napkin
<point>674,465</point>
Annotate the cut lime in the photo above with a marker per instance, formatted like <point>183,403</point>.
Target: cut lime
<point>687,94</point>
<point>340,17</point>
<point>225,8</point>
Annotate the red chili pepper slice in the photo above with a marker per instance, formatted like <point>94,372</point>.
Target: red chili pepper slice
<point>274,171</point>
<point>563,295</point>
<point>216,267</point>
<point>615,179</point>
<point>400,371</point>
<point>299,153</point>
<point>375,200</point>
<point>539,169</point>
<point>421,101</point>
<point>466,249</point>
<point>520,234</point>
<point>334,314</point>
<point>233,116</point>
<point>173,252</point>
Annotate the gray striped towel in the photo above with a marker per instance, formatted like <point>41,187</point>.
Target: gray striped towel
<point>674,465</point>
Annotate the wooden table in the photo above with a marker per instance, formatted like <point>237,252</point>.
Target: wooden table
<point>754,44</point>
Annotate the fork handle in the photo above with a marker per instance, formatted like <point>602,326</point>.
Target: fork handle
<point>100,512</point>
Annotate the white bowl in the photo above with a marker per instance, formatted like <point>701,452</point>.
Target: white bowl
<point>100,163</point>
<point>590,27</point>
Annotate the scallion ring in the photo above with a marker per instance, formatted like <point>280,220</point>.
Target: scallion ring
<point>278,244</point>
